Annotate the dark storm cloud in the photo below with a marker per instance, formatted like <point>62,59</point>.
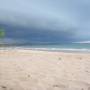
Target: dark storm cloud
<point>37,34</point>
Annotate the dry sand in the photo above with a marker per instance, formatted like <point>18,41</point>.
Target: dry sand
<point>43,70</point>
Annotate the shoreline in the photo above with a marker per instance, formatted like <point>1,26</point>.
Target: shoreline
<point>78,51</point>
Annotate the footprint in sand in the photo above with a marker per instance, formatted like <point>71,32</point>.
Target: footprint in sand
<point>71,85</point>
<point>59,87</point>
<point>3,87</point>
<point>60,58</point>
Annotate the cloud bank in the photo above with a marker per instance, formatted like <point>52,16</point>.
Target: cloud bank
<point>47,20</point>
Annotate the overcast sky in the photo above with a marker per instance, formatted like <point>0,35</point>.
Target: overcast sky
<point>64,16</point>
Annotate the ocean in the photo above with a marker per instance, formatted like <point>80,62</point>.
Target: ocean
<point>65,47</point>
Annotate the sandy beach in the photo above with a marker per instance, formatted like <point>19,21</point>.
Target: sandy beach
<point>44,70</point>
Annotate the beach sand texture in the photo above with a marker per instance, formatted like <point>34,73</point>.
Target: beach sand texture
<point>44,70</point>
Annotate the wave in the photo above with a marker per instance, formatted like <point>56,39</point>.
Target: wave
<point>48,49</point>
<point>61,49</point>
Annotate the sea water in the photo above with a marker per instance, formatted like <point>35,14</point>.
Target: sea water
<point>65,47</point>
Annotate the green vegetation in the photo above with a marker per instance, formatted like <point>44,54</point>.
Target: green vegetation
<point>2,35</point>
<point>2,32</point>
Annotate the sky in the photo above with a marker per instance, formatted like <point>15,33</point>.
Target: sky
<point>45,20</point>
